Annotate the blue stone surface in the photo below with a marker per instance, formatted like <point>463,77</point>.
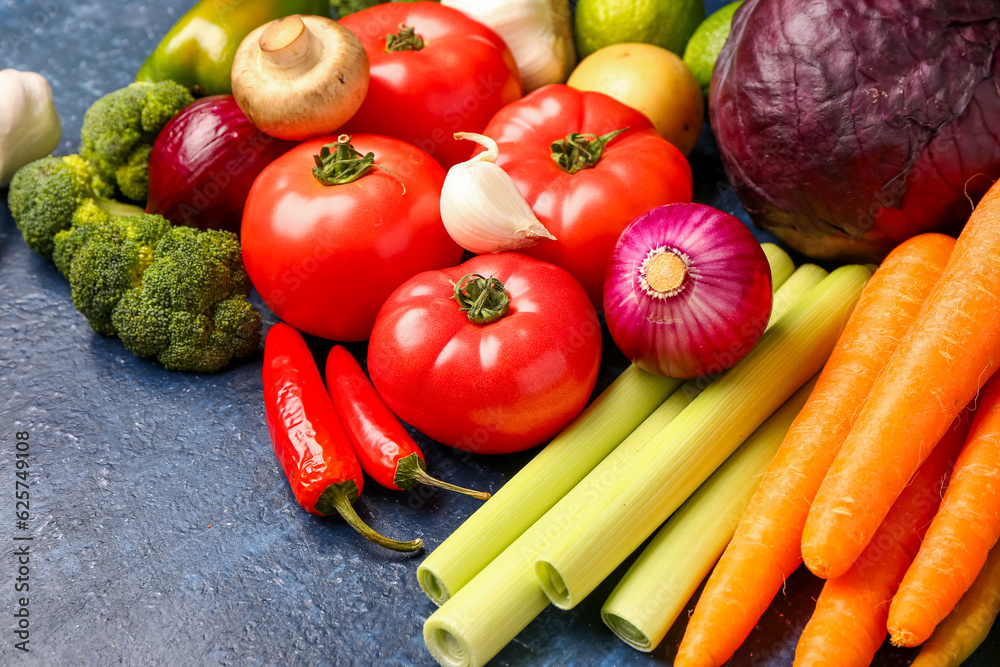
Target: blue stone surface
<point>163,531</point>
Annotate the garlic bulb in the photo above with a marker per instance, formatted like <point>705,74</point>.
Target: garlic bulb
<point>538,33</point>
<point>482,208</point>
<point>29,124</point>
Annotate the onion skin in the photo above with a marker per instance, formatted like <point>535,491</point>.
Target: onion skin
<point>204,162</point>
<point>718,313</point>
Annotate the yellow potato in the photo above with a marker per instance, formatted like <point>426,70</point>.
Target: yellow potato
<point>651,79</point>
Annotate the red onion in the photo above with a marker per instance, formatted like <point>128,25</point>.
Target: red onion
<point>204,162</point>
<point>687,291</point>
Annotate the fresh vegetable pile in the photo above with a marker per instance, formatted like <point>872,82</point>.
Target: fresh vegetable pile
<point>844,418</point>
<point>179,295</point>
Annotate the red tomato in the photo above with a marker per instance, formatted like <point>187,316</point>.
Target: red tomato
<point>586,211</point>
<point>455,82</point>
<point>489,388</point>
<point>325,257</point>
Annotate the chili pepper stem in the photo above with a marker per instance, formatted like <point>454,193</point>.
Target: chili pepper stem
<point>338,498</point>
<point>410,471</point>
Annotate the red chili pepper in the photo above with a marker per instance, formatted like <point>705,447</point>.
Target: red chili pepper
<point>308,439</point>
<point>384,448</point>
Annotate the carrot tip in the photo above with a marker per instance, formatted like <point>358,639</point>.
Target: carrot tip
<point>818,567</point>
<point>903,638</point>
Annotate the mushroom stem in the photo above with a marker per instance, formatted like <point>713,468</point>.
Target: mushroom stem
<point>287,42</point>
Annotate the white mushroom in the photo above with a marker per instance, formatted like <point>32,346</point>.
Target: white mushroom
<point>300,76</point>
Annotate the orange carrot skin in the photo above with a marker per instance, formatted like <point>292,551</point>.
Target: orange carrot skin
<point>848,626</point>
<point>952,348</point>
<point>961,535</point>
<point>765,549</point>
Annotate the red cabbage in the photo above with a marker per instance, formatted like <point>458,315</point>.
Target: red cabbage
<point>847,126</point>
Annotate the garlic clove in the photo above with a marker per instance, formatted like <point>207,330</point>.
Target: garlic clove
<point>481,207</point>
<point>29,124</point>
<point>538,32</point>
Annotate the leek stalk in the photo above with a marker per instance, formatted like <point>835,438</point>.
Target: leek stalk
<point>679,458</point>
<point>622,407</point>
<point>497,603</point>
<point>481,618</point>
<point>781,264</point>
<point>657,587</point>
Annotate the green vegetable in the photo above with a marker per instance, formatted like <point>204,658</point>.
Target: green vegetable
<point>499,601</point>
<point>91,214</point>
<point>781,264</point>
<point>481,618</point>
<point>191,311</point>
<point>175,293</point>
<point>118,133</point>
<point>566,460</point>
<point>678,459</point>
<point>107,259</point>
<point>43,196</point>
<point>543,481</point>
<point>198,50</point>
<point>657,587</point>
<point>46,194</point>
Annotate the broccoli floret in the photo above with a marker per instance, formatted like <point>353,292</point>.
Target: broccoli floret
<point>118,134</point>
<point>108,259</point>
<point>44,195</point>
<point>191,311</point>
<point>92,213</point>
<point>68,241</point>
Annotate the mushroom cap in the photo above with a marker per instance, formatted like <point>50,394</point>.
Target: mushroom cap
<point>300,76</point>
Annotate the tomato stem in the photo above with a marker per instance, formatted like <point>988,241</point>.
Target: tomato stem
<point>581,151</point>
<point>337,498</point>
<point>339,163</point>
<point>483,299</point>
<point>411,470</point>
<point>406,39</point>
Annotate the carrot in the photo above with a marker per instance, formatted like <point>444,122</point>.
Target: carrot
<point>848,626</point>
<point>951,349</point>
<point>961,536</point>
<point>959,635</point>
<point>765,549</point>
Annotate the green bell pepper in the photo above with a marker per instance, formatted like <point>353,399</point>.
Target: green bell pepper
<point>198,51</point>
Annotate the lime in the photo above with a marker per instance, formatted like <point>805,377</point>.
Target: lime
<point>706,42</point>
<point>665,23</point>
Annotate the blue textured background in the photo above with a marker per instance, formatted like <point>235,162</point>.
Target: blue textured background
<point>164,531</point>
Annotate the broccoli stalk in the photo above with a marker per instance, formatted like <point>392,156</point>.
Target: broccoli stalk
<point>191,310</point>
<point>118,133</point>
